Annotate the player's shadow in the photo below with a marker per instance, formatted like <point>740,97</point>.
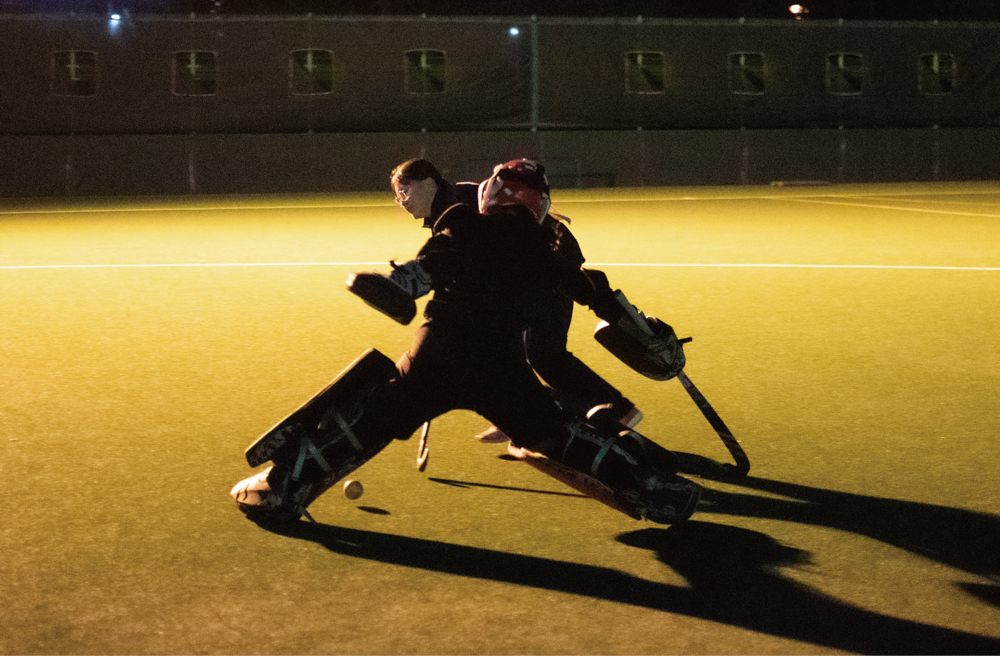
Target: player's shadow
<point>733,577</point>
<point>962,539</point>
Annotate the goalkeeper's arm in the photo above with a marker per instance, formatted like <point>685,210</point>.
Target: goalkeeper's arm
<point>643,342</point>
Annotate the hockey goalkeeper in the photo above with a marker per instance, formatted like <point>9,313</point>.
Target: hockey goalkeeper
<point>486,271</point>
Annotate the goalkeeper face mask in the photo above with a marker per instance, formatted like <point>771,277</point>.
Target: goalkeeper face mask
<point>517,182</point>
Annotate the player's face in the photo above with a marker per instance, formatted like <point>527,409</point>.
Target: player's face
<point>416,197</point>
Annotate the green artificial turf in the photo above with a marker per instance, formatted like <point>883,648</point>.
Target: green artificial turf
<point>849,336</point>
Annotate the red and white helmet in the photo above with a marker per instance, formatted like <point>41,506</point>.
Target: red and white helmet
<point>517,182</point>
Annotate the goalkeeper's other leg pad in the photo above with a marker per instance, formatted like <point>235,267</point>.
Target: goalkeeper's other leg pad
<point>623,470</point>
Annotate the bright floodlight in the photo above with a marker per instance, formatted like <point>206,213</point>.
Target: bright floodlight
<point>798,10</point>
<point>514,31</point>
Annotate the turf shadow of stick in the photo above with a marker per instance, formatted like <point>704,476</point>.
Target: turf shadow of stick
<point>734,576</point>
<point>454,483</point>
<point>962,539</point>
<point>959,538</point>
<point>751,595</point>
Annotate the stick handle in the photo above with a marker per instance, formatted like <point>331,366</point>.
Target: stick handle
<point>422,450</point>
<point>735,450</point>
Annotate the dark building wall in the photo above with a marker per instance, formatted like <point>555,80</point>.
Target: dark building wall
<point>567,91</point>
<point>90,165</point>
<point>583,76</point>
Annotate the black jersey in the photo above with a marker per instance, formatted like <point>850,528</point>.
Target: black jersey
<point>492,270</point>
<point>487,269</point>
<point>448,194</point>
<point>563,240</point>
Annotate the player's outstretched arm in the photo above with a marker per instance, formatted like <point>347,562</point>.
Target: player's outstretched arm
<point>643,342</point>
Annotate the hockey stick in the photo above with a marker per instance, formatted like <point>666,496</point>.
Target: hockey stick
<point>422,450</point>
<point>742,465</point>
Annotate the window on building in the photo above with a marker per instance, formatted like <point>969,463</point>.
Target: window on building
<point>645,72</point>
<point>311,72</point>
<point>74,73</point>
<point>194,73</point>
<point>937,74</point>
<point>746,73</point>
<point>844,74</point>
<point>424,71</point>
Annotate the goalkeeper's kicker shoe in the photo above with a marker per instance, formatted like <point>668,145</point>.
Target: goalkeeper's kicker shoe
<point>673,500</point>
<point>631,418</point>
<point>492,435</point>
<point>270,494</point>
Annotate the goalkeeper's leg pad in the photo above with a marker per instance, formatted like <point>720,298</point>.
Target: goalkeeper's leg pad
<point>622,470</point>
<point>315,446</point>
<point>297,478</point>
<point>284,491</point>
<point>342,398</point>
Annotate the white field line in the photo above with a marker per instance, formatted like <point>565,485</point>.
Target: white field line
<point>928,201</point>
<point>223,208</point>
<point>924,210</point>
<point>190,264</point>
<point>800,266</point>
<point>560,201</point>
<point>594,264</point>
<point>917,197</point>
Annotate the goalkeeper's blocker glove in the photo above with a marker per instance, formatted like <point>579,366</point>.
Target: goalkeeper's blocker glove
<point>644,343</point>
<point>392,295</point>
<point>378,291</point>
